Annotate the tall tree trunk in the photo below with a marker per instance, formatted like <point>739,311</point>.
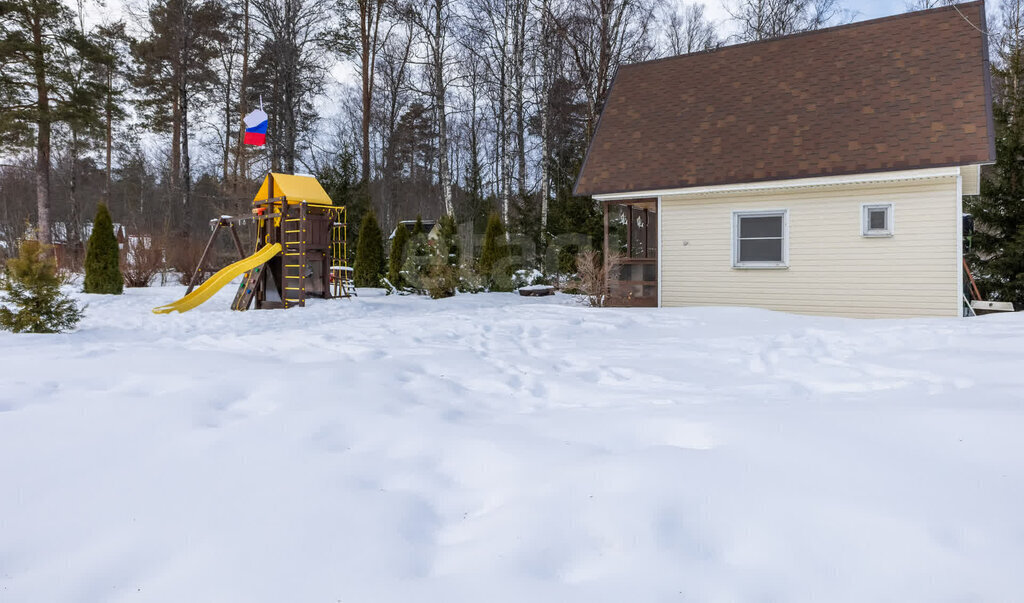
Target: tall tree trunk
<point>176,133</point>
<point>366,21</point>
<point>276,121</point>
<point>227,126</point>
<point>290,107</point>
<point>503,148</point>
<point>518,91</point>
<point>43,138</point>
<point>545,110</point>
<point>186,166</point>
<point>241,169</point>
<point>544,188</point>
<point>73,229</point>
<point>109,114</point>
<point>184,59</point>
<point>289,122</point>
<point>444,176</point>
<point>504,101</point>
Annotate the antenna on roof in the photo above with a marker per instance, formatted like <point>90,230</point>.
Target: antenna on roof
<point>964,17</point>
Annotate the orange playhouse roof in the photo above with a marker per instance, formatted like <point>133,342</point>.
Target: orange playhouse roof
<point>295,188</point>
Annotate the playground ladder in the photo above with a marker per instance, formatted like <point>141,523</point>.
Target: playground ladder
<point>293,266</point>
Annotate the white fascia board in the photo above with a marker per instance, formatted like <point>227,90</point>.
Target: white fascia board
<point>946,172</point>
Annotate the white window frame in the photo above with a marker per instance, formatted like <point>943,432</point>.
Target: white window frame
<point>739,214</point>
<point>865,222</point>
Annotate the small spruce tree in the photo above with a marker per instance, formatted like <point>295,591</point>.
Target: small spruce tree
<point>397,257</point>
<point>31,285</point>
<point>418,256</point>
<point>442,271</point>
<point>448,239</point>
<point>369,265</point>
<point>494,255</point>
<point>102,256</point>
<point>442,278</point>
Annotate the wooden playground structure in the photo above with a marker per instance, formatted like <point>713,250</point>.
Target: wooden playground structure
<point>300,251</point>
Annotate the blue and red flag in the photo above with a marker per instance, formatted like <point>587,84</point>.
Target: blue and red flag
<point>256,127</point>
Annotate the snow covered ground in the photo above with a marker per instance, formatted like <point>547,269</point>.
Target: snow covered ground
<point>505,449</point>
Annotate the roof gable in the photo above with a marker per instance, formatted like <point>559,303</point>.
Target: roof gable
<point>903,92</point>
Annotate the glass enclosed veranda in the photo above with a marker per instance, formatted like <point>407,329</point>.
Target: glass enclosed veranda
<point>631,251</point>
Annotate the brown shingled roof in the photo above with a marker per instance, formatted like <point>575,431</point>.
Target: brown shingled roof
<point>903,92</point>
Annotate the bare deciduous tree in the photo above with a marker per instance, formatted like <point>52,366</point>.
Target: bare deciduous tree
<point>687,30</point>
<point>435,19</point>
<point>392,73</point>
<point>293,56</point>
<point>496,35</point>
<point>767,19</point>
<point>600,36</point>
<point>361,36</point>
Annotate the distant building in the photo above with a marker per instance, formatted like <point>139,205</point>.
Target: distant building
<point>429,227</point>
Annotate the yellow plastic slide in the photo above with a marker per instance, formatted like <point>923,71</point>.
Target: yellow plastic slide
<point>219,279</point>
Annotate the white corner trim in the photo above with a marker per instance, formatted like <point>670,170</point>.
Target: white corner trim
<point>661,239</point>
<point>959,206</point>
<point>898,176</point>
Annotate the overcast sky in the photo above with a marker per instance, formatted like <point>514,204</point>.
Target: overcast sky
<point>864,9</point>
<point>343,73</point>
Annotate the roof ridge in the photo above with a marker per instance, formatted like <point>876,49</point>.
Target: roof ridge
<point>853,102</point>
<point>812,32</point>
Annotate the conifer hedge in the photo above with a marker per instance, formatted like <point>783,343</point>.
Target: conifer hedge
<point>493,256</point>
<point>397,257</point>
<point>369,264</point>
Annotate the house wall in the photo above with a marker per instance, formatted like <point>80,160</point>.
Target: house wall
<point>971,179</point>
<point>833,269</point>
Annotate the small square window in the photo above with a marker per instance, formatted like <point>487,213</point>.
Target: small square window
<point>877,220</point>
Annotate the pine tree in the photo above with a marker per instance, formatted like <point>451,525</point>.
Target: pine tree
<point>493,256</point>
<point>32,287</point>
<point>369,265</point>
<point>176,65</point>
<point>39,86</point>
<point>397,257</point>
<point>103,257</point>
<point>997,247</point>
